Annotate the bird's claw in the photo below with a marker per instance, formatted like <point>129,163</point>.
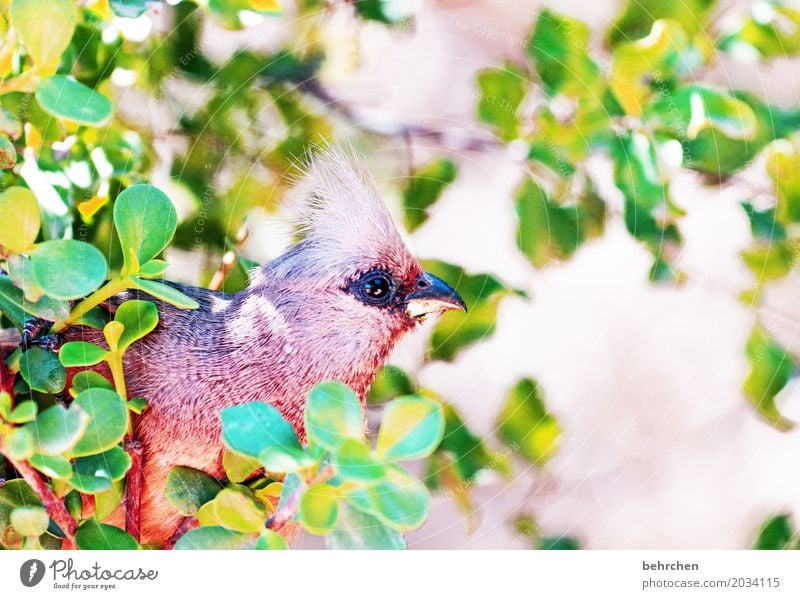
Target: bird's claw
<point>33,334</point>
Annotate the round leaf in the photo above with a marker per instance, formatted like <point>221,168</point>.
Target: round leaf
<point>57,429</point>
<point>215,537</point>
<point>81,353</point>
<point>24,412</point>
<point>108,421</point>
<point>333,414</point>
<point>412,427</point>
<point>238,467</point>
<point>112,464</point>
<point>235,509</point>
<point>68,269</point>
<point>187,489</point>
<point>45,28</point>
<point>319,508</point>
<point>145,220</point>
<point>19,219</point>
<point>250,428</point>
<point>53,466</point>
<point>42,370</point>
<point>30,521</point>
<point>354,461</point>
<point>400,501</point>
<point>269,539</point>
<point>68,99</point>
<point>94,535</point>
<point>139,318</point>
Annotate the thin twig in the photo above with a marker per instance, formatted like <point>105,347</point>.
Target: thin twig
<point>188,523</point>
<point>133,489</point>
<point>229,259</point>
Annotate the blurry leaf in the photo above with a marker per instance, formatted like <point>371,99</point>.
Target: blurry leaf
<point>385,11</point>
<point>45,28</point>
<point>424,188</point>
<point>145,220</point>
<point>66,98</point>
<point>108,421</point>
<point>776,532</point>
<point>559,49</point>
<point>472,288</point>
<point>81,353</point>
<point>319,508</point>
<point>19,443</point>
<point>772,31</point>
<point>389,383</point>
<point>216,537</point>
<point>770,262</point>
<point>355,462</point>
<point>456,331</point>
<point>164,292</point>
<point>57,429</point>
<point>358,530</point>
<point>400,501</point>
<point>764,224</point>
<point>411,428</point>
<point>783,167</point>
<point>107,501</point>
<point>238,467</point>
<point>258,430</point>
<point>30,521</point>
<point>19,219</point>
<point>235,509</point>
<point>526,426</point>
<point>8,154</point>
<point>557,543</point>
<point>91,534</point>
<point>14,305</point>
<point>188,489</point>
<point>130,9</point>
<point>138,317</point>
<point>53,466</point>
<point>271,540</point>
<point>68,269</point>
<point>42,371</point>
<point>771,367</point>
<point>333,414</point>
<point>24,412</point>
<point>637,17</point>
<point>152,269</point>
<point>279,458</point>
<point>501,93</point>
<point>637,66</point>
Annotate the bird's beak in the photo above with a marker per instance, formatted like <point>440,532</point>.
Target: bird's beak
<point>432,295</point>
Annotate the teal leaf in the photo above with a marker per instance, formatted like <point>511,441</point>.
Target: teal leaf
<point>108,421</point>
<point>67,98</point>
<point>333,414</point>
<point>68,269</point>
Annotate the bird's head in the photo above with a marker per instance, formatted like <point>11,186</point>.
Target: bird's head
<point>350,261</point>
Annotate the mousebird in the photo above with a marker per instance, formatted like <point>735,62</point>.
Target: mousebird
<point>331,308</point>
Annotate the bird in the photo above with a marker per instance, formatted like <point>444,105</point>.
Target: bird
<point>332,307</point>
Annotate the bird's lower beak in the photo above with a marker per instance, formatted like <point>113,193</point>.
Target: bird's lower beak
<point>432,295</point>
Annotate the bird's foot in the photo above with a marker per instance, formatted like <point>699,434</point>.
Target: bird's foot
<point>33,333</point>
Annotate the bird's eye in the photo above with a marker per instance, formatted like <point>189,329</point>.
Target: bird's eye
<point>375,288</point>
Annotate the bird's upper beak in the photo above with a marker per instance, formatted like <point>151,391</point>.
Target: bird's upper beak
<point>432,295</point>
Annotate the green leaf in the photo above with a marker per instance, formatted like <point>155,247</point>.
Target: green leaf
<point>558,544</point>
<point>319,508</point>
<point>20,443</point>
<point>389,383</point>
<point>216,537</point>
<point>67,98</point>
<point>42,371</point>
<point>137,405</point>
<point>355,462</point>
<point>637,17</point>
<point>165,293</point>
<point>277,458</point>
<point>57,429</point>
<point>30,521</point>
<point>501,93</point>
<point>81,353</point>
<point>18,309</point>
<point>139,318</point>
<point>238,467</point>
<point>333,414</point>
<point>558,48</point>
<point>423,189</point>
<point>145,220</point>
<point>236,509</point>
<point>456,331</point>
<point>525,424</point>
<point>783,167</point>
<point>188,489</point>
<point>269,539</point>
<point>19,219</point>
<point>88,379</point>
<point>112,464</point>
<point>359,530</point>
<point>776,532</point>
<point>771,31</point>
<point>252,428</point>
<point>90,484</point>
<point>108,421</point>
<point>106,502</point>
<point>91,534</point>
<point>8,155</point>
<point>153,269</point>
<point>400,501</point>
<point>411,428</point>
<point>130,9</point>
<point>24,412</point>
<point>68,269</point>
<point>45,28</point>
<point>771,367</point>
<point>53,466</point>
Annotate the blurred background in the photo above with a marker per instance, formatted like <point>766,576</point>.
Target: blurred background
<point>612,185</point>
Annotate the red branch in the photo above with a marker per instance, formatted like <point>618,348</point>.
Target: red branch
<point>133,489</point>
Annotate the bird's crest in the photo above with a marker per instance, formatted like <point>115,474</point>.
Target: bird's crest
<point>342,223</point>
